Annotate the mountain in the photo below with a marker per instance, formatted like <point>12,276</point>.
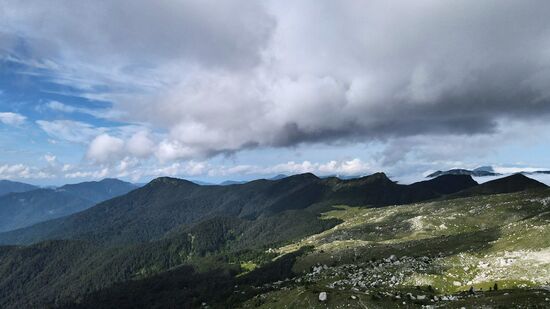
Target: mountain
<point>478,172</point>
<point>240,182</point>
<point>231,182</point>
<point>18,210</point>
<point>419,254</point>
<point>277,177</point>
<point>536,172</point>
<point>165,204</point>
<point>97,191</point>
<point>176,243</point>
<point>509,184</point>
<point>7,186</point>
<point>481,171</point>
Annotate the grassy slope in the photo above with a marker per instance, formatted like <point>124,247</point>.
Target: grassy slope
<point>433,243</point>
<point>448,245</point>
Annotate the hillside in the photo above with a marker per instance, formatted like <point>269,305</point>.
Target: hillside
<point>22,209</point>
<point>509,184</point>
<point>428,253</point>
<point>282,242</point>
<point>390,257</point>
<point>7,186</point>
<point>151,212</point>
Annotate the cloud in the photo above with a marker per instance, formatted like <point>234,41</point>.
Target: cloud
<point>105,148</point>
<point>70,130</point>
<point>12,119</point>
<point>14,171</point>
<point>98,113</point>
<point>140,144</point>
<point>109,149</point>
<point>217,78</point>
<point>23,171</point>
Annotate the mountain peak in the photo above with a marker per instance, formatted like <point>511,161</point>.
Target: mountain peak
<point>171,181</point>
<point>478,172</point>
<point>376,177</point>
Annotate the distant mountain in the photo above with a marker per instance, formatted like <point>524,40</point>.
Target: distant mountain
<point>536,172</point>
<point>7,186</point>
<point>231,182</point>
<point>478,172</point>
<point>481,171</point>
<point>277,177</point>
<point>509,184</point>
<point>240,182</point>
<point>22,209</point>
<point>98,191</point>
<point>153,211</point>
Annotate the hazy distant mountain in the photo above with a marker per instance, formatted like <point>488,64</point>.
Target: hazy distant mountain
<point>478,172</point>
<point>98,191</point>
<point>536,172</point>
<point>277,177</point>
<point>231,182</point>
<point>26,208</point>
<point>240,182</point>
<point>7,186</point>
<point>481,171</point>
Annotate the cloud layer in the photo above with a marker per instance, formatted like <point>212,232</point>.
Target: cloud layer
<point>216,78</point>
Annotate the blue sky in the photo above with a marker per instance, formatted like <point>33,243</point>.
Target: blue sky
<point>185,89</point>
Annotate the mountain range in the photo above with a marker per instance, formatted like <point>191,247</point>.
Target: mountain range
<point>173,243</point>
<point>155,210</point>
<point>20,209</point>
<point>481,171</point>
<point>7,186</point>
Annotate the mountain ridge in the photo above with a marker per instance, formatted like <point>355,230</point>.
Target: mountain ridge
<point>8,186</point>
<point>21,209</point>
<point>165,203</point>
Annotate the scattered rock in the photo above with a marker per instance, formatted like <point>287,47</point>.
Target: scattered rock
<point>323,296</point>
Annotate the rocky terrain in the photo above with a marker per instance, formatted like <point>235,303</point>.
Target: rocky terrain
<point>490,250</point>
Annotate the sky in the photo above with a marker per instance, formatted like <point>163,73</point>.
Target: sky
<point>214,90</point>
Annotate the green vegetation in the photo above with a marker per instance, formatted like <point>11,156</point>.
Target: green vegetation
<point>154,211</point>
<point>277,244</point>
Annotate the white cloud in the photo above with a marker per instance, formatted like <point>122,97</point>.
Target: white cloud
<point>12,119</point>
<point>105,148</point>
<point>222,77</point>
<point>141,144</point>
<point>22,171</point>
<point>14,171</point>
<point>51,159</point>
<point>433,83</point>
<point>58,106</point>
<point>98,113</point>
<point>69,130</point>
